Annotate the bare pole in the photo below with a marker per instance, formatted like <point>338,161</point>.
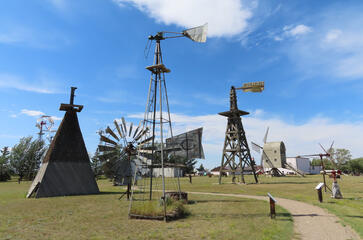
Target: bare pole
<point>162,143</point>
<point>156,60</point>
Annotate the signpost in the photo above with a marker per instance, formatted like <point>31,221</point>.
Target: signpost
<point>320,194</point>
<point>272,206</point>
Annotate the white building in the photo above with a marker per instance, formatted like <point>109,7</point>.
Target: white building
<point>168,172</point>
<point>303,164</point>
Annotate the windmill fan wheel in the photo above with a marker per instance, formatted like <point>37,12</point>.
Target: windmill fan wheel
<point>118,148</point>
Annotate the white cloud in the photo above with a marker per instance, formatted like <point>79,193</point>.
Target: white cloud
<point>32,113</point>
<point>298,138</point>
<point>333,35</point>
<point>297,30</point>
<point>55,118</point>
<point>15,82</point>
<point>225,18</point>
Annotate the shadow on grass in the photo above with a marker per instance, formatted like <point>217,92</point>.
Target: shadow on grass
<point>279,216</point>
<point>221,200</point>
<point>286,183</point>
<point>118,192</point>
<point>353,216</point>
<point>305,215</point>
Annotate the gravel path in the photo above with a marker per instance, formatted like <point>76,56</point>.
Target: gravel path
<point>310,222</point>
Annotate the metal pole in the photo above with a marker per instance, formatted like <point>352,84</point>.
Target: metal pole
<point>156,60</point>
<point>162,147</point>
<point>323,167</point>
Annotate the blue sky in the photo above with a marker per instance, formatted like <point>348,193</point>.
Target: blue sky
<point>309,53</point>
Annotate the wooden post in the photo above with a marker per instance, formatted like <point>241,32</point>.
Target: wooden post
<point>272,206</point>
<point>320,194</point>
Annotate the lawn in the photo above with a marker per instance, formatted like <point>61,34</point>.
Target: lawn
<point>349,209</point>
<point>103,216</point>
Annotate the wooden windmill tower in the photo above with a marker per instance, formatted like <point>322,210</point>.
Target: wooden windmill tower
<point>235,143</point>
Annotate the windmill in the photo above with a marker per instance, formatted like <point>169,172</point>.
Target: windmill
<point>118,151</point>
<point>265,160</point>
<point>274,156</point>
<point>334,173</point>
<point>235,142</point>
<point>157,113</point>
<point>44,124</point>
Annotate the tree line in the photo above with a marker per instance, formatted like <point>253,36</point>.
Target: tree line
<point>24,160</point>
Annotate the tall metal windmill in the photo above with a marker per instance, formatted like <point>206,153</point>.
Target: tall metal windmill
<point>157,112</point>
<point>235,143</point>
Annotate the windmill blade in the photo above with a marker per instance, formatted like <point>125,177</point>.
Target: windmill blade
<point>137,129</point>
<point>142,133</point>
<point>118,128</point>
<point>146,140</point>
<point>103,148</point>
<point>257,148</point>
<point>106,139</point>
<point>324,149</point>
<point>124,124</point>
<point>108,130</point>
<point>130,130</point>
<point>265,138</point>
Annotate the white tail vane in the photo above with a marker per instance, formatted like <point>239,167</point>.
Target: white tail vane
<point>197,34</point>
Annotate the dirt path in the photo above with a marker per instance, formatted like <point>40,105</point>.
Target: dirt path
<point>310,222</point>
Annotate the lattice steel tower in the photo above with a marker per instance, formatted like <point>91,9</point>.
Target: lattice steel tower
<point>235,143</point>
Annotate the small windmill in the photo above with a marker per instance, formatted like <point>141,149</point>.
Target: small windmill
<point>334,173</point>
<point>44,124</point>
<point>274,156</point>
<point>265,160</point>
<point>118,151</point>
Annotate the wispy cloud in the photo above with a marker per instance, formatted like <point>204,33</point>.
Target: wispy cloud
<point>32,37</point>
<point>15,82</point>
<point>225,18</point>
<point>297,30</point>
<point>211,100</point>
<point>32,113</point>
<point>59,4</point>
<point>334,48</point>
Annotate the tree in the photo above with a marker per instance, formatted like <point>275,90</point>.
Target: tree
<point>4,164</point>
<point>356,166</point>
<point>96,164</point>
<point>201,168</point>
<point>327,163</point>
<point>189,169</point>
<point>26,156</point>
<point>341,156</point>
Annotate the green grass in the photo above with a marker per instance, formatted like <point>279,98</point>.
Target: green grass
<point>103,216</point>
<point>349,209</point>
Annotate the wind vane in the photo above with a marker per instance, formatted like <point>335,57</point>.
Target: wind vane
<point>71,106</point>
